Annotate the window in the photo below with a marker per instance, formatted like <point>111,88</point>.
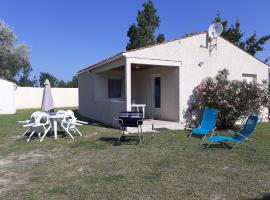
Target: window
<point>157,92</point>
<point>115,88</point>
<point>249,77</point>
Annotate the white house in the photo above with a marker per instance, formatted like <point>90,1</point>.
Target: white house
<point>161,76</point>
<point>7,99</point>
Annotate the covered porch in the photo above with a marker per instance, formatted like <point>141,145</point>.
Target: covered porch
<point>153,83</point>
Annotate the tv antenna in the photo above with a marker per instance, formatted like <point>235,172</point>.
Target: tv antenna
<point>214,30</point>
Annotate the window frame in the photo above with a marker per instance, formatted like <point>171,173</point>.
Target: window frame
<point>246,75</point>
<point>121,89</point>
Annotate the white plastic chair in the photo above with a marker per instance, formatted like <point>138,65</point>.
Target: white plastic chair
<point>60,112</point>
<point>77,121</point>
<point>29,121</point>
<point>69,123</point>
<point>42,124</point>
<point>31,118</point>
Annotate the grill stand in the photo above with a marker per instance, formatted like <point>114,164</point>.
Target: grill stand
<point>122,136</point>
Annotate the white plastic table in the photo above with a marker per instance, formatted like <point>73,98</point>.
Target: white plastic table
<point>55,118</point>
<point>138,106</point>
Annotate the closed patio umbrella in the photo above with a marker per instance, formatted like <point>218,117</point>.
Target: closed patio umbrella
<point>47,100</point>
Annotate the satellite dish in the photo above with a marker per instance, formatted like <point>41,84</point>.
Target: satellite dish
<point>215,30</point>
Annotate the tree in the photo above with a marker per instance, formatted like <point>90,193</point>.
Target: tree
<point>267,60</point>
<point>24,81</point>
<point>143,33</point>
<point>253,45</point>
<point>14,59</point>
<point>73,83</point>
<point>233,33</point>
<point>45,75</point>
<point>61,84</point>
<point>160,38</point>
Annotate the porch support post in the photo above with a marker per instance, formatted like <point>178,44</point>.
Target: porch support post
<point>128,84</point>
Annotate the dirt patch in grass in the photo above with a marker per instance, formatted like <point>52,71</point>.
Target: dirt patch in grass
<point>12,167</point>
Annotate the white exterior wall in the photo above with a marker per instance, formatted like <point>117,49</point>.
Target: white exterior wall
<point>226,56</point>
<point>31,97</point>
<point>7,99</point>
<point>93,101</point>
<point>190,52</point>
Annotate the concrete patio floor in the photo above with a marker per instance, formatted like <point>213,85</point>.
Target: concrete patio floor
<point>158,126</point>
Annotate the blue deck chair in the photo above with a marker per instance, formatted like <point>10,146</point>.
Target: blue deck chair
<point>208,123</point>
<point>238,138</point>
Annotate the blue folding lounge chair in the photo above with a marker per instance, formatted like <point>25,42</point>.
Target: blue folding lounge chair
<point>208,123</point>
<point>241,137</point>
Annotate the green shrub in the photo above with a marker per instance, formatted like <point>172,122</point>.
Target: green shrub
<point>234,99</point>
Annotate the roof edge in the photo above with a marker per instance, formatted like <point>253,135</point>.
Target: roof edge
<point>102,62</point>
<point>245,51</point>
<point>123,53</point>
<point>168,41</point>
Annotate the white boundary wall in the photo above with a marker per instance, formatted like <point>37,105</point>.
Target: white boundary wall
<point>7,97</point>
<point>31,97</point>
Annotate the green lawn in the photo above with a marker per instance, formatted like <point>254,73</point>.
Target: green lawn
<point>168,166</point>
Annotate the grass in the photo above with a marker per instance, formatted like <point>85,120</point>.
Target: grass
<point>168,166</point>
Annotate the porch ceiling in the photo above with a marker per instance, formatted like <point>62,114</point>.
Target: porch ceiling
<point>137,67</point>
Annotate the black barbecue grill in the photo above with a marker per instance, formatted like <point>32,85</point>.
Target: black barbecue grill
<point>130,119</point>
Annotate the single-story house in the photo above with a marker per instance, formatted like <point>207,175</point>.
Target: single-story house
<point>7,100</point>
<point>161,76</point>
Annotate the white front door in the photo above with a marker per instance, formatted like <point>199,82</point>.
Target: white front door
<point>156,95</point>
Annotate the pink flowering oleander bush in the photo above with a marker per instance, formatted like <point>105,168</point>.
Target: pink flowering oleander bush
<point>234,99</point>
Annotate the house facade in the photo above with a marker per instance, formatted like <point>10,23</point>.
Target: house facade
<point>162,77</point>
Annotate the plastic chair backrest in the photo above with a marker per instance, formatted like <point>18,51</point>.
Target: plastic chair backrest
<point>42,118</point>
<point>70,112</point>
<point>69,116</point>
<point>248,128</point>
<point>209,118</point>
<point>34,115</point>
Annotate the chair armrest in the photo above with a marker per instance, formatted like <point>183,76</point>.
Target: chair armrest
<point>27,125</point>
<point>37,125</point>
<point>24,122</point>
<point>75,123</point>
<point>82,122</point>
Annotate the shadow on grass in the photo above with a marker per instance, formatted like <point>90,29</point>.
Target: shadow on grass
<point>161,129</point>
<point>127,140</point>
<point>35,136</point>
<point>265,197</point>
<point>217,146</point>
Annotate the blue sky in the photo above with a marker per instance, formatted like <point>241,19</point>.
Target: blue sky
<point>67,35</point>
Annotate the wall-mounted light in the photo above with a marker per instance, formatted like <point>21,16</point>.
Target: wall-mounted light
<point>201,64</point>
